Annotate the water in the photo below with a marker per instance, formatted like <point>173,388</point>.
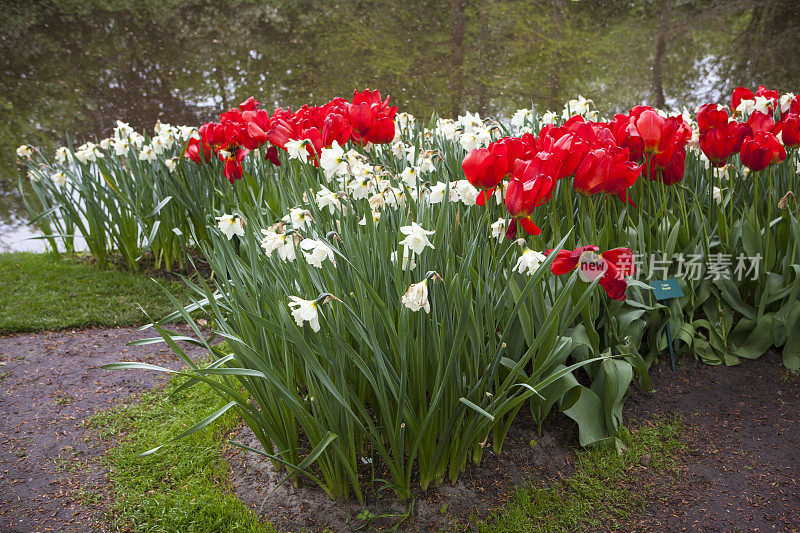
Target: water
<point>72,69</point>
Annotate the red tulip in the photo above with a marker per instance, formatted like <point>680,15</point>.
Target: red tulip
<point>759,121</point>
<point>568,151</point>
<point>667,166</point>
<point>529,188</point>
<point>611,267</point>
<point>711,116</point>
<point>653,129</point>
<point>720,143</point>
<point>249,105</point>
<point>789,128</point>
<point>761,151</point>
<point>272,156</point>
<point>606,170</point>
<point>485,169</point>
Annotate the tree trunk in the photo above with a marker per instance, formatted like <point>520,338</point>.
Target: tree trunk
<point>458,24</point>
<point>659,100</point>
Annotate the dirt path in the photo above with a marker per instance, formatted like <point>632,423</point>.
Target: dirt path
<point>49,384</point>
<point>743,426</point>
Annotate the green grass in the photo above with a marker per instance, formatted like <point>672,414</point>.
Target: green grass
<point>605,489</point>
<point>182,487</point>
<point>44,292</point>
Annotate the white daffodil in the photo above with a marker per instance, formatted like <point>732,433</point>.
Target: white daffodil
<point>762,103</point>
<point>332,161</point>
<point>437,193</point>
<point>327,198</point>
<point>361,188</point>
<point>404,120</point>
<point>123,130</point>
<point>446,128</point>
<point>529,261</point>
<point>304,311</point>
<point>467,193</point>
<point>299,218</point>
<point>548,118</point>
<point>399,150</point>
<point>353,157</point>
<point>316,252</point>
<point>62,155</point>
<point>361,170</point>
<point>520,117</point>
<point>171,164</point>
<point>87,153</point>
<point>231,225</point>
<point>136,139</point>
<point>786,102</point>
<point>147,154</point>
<point>470,122</point>
<point>409,176</point>
<point>24,151</point>
<point>426,165</point>
<point>279,242</point>
<point>296,149</point>
<point>499,229</point>
<point>408,259</point>
<point>416,297</point>
<point>59,178</point>
<point>717,194</point>
<point>416,237</point>
<point>746,107</point>
<point>186,132</point>
<point>121,147</point>
<point>376,217</point>
<point>106,143</point>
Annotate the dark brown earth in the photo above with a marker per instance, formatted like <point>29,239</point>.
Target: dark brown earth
<point>741,472</point>
<point>49,384</point>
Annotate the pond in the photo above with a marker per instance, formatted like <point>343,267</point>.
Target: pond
<point>75,67</point>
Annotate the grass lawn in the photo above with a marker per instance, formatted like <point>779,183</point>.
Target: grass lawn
<point>43,292</point>
<point>605,490</point>
<point>181,487</point>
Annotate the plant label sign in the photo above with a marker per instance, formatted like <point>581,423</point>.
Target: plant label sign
<point>666,289</point>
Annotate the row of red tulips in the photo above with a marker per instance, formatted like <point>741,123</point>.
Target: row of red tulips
<point>367,119</point>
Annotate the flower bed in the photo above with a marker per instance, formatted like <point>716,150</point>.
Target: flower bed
<point>394,293</point>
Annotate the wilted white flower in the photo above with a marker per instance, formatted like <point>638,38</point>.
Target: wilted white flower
<point>24,151</point>
<point>499,229</point>
<point>231,225</point>
<point>467,193</point>
<point>62,154</point>
<point>717,194</point>
<point>299,218</point>
<point>172,164</point>
<point>529,261</point>
<point>59,178</point>
<point>416,297</point>
<point>416,237</point>
<point>316,252</point>
<point>279,242</point>
<point>304,311</point>
<point>332,161</point>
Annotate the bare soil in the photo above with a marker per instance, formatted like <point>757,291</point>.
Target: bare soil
<point>49,384</point>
